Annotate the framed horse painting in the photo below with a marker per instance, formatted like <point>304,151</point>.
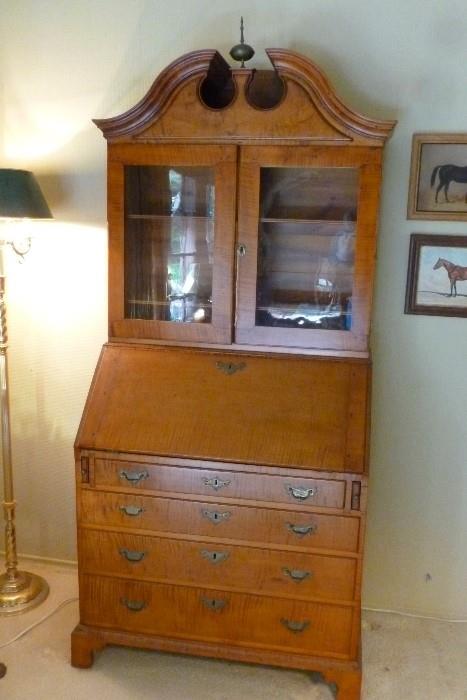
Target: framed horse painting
<point>437,275</point>
<point>438,177</point>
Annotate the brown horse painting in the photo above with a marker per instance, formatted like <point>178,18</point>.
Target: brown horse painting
<point>456,273</point>
<point>448,174</point>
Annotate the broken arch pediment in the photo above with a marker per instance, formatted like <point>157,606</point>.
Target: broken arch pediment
<point>200,98</point>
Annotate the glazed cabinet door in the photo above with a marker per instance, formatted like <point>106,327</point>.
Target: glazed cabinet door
<point>306,245</point>
<point>171,229</point>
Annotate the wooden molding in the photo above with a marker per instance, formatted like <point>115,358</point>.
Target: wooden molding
<point>314,81</point>
<point>328,117</point>
<point>191,65</point>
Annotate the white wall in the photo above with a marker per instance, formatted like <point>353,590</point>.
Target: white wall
<point>64,62</point>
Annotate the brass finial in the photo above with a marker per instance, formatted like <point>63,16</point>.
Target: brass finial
<point>242,52</point>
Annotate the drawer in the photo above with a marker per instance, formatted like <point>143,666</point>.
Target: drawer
<point>326,493</point>
<point>281,573</point>
<point>217,616</point>
<point>294,527</point>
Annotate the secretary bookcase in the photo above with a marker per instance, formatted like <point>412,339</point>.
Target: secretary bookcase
<point>221,460</point>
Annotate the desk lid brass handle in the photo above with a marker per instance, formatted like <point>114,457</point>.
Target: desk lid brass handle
<point>302,530</point>
<point>132,556</point>
<point>215,604</point>
<point>134,477</point>
<point>295,625</point>
<point>296,574</point>
<point>301,493</point>
<point>132,510</point>
<point>216,516</point>
<point>216,483</point>
<point>134,605</point>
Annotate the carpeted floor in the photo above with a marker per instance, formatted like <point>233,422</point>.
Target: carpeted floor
<point>404,659</point>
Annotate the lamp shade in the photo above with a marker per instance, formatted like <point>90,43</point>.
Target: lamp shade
<point>20,196</point>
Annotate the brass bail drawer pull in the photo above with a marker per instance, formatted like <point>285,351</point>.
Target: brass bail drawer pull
<point>296,574</point>
<point>216,483</point>
<point>300,492</point>
<point>302,530</point>
<point>216,516</point>
<point>230,367</point>
<point>132,556</point>
<point>134,605</point>
<point>133,511</point>
<point>134,477</point>
<point>295,625</point>
<point>214,557</point>
<point>215,604</point>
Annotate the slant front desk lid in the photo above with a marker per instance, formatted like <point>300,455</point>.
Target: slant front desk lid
<point>230,407</point>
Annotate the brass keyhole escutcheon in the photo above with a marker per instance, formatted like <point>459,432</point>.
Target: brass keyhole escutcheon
<point>230,367</point>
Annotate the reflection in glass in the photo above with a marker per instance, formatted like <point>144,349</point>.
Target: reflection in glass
<point>169,240</point>
<point>306,247</point>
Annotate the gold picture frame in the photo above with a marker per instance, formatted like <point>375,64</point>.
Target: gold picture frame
<point>438,177</point>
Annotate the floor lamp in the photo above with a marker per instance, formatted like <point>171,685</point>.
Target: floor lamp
<point>20,198</point>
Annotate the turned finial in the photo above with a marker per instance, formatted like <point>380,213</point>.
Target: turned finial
<point>242,52</point>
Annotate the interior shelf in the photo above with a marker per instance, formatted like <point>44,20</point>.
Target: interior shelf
<point>151,302</point>
<point>320,222</point>
<point>169,217</point>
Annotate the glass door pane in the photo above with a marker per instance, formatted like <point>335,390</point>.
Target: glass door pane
<point>306,247</point>
<point>169,243</point>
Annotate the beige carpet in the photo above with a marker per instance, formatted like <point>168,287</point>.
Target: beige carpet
<point>404,659</point>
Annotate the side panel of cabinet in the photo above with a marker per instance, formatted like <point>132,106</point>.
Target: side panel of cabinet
<point>281,225</point>
<point>221,160</point>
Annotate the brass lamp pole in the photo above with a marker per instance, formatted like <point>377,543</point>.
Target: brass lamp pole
<point>20,198</point>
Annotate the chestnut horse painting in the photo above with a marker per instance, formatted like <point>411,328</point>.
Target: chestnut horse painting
<point>456,273</point>
<point>448,174</point>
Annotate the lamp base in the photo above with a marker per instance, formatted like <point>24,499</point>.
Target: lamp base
<point>22,592</point>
